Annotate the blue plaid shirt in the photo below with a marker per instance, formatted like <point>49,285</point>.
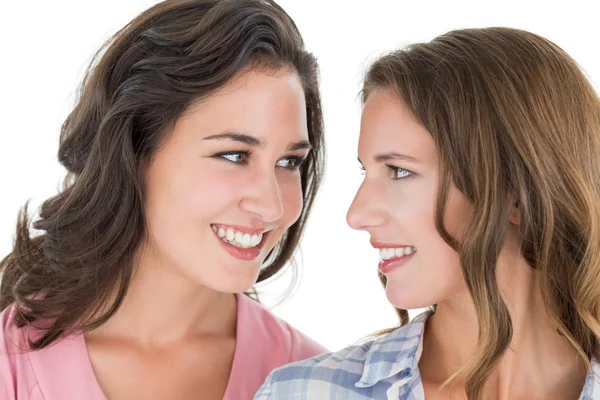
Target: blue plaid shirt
<point>386,368</point>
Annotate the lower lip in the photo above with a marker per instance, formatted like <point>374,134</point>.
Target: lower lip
<point>392,264</point>
<point>249,254</point>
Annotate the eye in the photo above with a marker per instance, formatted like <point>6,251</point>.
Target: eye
<point>399,173</point>
<point>363,171</point>
<point>291,163</point>
<point>236,157</point>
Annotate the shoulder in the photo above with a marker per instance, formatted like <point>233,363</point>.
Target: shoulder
<point>274,333</point>
<point>10,334</point>
<point>264,342</point>
<point>345,367</point>
<point>13,342</point>
<point>361,371</point>
<point>17,379</point>
<point>60,370</point>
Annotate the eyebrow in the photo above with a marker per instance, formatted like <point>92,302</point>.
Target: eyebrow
<point>237,137</point>
<point>303,145</point>
<point>381,158</point>
<point>255,142</point>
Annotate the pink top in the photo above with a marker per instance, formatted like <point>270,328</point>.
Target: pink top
<point>64,371</point>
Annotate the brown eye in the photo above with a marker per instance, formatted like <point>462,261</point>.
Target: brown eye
<point>239,157</point>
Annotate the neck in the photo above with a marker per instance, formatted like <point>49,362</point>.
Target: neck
<point>162,305</point>
<point>539,360</point>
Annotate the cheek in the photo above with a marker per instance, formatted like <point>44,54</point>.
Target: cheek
<point>438,263</point>
<point>435,274</point>
<point>178,200</point>
<point>291,198</point>
<point>412,212</point>
<point>210,192</point>
<point>442,263</point>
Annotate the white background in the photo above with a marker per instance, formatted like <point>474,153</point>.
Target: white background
<point>46,46</point>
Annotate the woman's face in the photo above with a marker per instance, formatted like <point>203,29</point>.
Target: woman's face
<point>396,204</point>
<point>226,185</point>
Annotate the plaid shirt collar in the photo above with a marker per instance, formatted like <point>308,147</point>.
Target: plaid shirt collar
<point>395,354</point>
<point>398,353</point>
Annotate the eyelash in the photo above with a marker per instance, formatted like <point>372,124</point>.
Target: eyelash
<point>244,154</point>
<point>296,161</point>
<point>394,169</point>
<point>398,170</point>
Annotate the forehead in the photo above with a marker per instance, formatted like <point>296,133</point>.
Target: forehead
<point>256,103</point>
<point>387,124</point>
<point>260,86</point>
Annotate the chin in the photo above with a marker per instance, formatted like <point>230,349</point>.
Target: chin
<point>237,281</point>
<point>407,298</point>
<point>233,287</point>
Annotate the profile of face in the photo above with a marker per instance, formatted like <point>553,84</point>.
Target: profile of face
<point>226,185</point>
<point>395,204</point>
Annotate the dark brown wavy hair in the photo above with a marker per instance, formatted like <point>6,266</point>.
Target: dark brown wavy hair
<point>511,115</point>
<point>168,58</point>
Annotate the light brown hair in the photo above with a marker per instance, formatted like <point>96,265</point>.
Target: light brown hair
<point>511,115</point>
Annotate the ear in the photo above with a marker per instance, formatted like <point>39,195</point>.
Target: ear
<point>514,212</point>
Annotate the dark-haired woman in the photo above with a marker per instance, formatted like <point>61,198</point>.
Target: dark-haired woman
<point>194,154</point>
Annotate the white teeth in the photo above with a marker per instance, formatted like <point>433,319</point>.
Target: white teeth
<point>387,254</point>
<point>238,239</point>
<point>246,240</point>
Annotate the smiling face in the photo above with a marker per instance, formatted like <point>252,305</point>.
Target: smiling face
<point>226,185</point>
<point>396,204</point>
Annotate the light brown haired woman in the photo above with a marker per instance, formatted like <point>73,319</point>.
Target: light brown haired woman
<point>482,192</point>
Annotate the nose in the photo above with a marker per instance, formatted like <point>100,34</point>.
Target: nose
<point>263,197</point>
<point>365,210</point>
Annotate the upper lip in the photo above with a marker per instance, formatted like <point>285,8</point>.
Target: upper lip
<point>383,245</point>
<point>243,229</point>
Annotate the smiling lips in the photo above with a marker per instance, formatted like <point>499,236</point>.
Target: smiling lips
<point>242,243</point>
<point>237,238</point>
<point>389,253</point>
<point>393,256</point>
